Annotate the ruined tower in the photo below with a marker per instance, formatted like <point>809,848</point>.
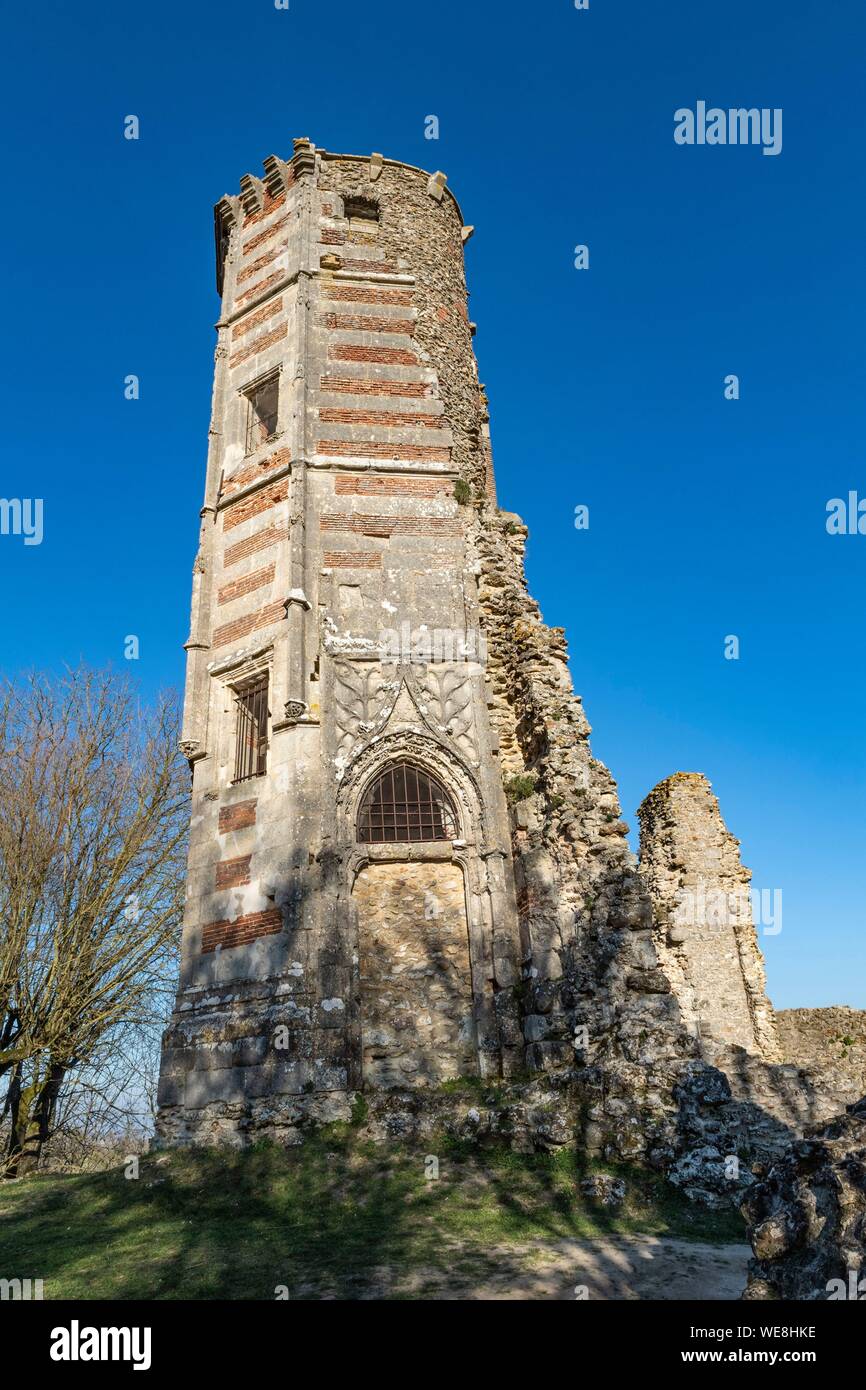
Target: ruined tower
<point>351,912</point>
<point>405,864</point>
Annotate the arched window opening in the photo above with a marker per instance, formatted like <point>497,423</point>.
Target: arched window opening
<point>404,803</point>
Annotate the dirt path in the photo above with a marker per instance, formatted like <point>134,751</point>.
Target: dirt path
<point>620,1267</point>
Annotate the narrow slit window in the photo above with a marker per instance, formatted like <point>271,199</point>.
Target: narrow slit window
<point>405,804</point>
<point>251,730</point>
<point>262,412</point>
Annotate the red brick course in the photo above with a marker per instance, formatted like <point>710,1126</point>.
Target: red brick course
<point>259,540</point>
<point>346,415</point>
<point>269,205</point>
<point>365,485</point>
<point>352,559</point>
<point>370,267</point>
<point>259,344</point>
<point>239,512</point>
<point>231,873</point>
<point>250,582</point>
<point>262,237</point>
<point>367,386</point>
<point>360,448</point>
<point>242,931</point>
<point>251,622</point>
<point>259,286</point>
<point>366,294</point>
<point>255,266</point>
<point>368,323</point>
<point>253,471</point>
<point>350,352</point>
<point>366,524</point>
<point>267,311</point>
<point>237,817</point>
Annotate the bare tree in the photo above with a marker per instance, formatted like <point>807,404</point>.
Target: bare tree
<point>107,1105</point>
<point>93,818</point>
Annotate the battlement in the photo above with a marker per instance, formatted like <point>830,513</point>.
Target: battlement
<point>260,196</point>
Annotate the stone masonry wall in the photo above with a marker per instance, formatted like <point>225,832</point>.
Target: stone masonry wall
<point>807,1219</point>
<point>704,932</point>
<point>416,983</point>
<point>830,1041</point>
<point>599,1014</point>
<point>342,280</point>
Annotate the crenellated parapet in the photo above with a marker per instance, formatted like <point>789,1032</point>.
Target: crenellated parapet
<point>260,196</point>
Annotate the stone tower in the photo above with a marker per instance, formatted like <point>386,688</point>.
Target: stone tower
<point>405,864</point>
<point>351,915</point>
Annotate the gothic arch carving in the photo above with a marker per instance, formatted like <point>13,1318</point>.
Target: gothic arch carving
<point>434,758</point>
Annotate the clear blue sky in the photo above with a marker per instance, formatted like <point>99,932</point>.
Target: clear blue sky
<point>707,516</point>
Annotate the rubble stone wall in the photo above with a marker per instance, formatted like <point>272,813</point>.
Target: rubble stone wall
<point>807,1219</point>
<point>831,1041</point>
<point>598,1010</point>
<point>415,979</point>
<point>704,931</point>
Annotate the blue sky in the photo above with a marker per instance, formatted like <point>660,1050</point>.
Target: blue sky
<point>707,516</point>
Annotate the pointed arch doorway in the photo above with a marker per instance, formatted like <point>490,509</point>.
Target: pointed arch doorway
<point>417,1016</point>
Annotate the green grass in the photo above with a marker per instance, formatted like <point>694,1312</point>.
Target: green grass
<point>319,1219</point>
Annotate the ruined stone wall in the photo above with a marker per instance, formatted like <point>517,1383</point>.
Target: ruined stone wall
<point>373,509</point>
<point>807,1219</point>
<point>599,1014</point>
<point>704,932</point>
<point>831,1041</point>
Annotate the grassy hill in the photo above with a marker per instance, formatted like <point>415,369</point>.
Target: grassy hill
<point>335,1218</point>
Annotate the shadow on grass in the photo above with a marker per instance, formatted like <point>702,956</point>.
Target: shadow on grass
<point>336,1217</point>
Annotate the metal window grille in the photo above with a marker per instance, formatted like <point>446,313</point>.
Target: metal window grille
<point>405,803</point>
<point>262,414</point>
<point>251,730</point>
